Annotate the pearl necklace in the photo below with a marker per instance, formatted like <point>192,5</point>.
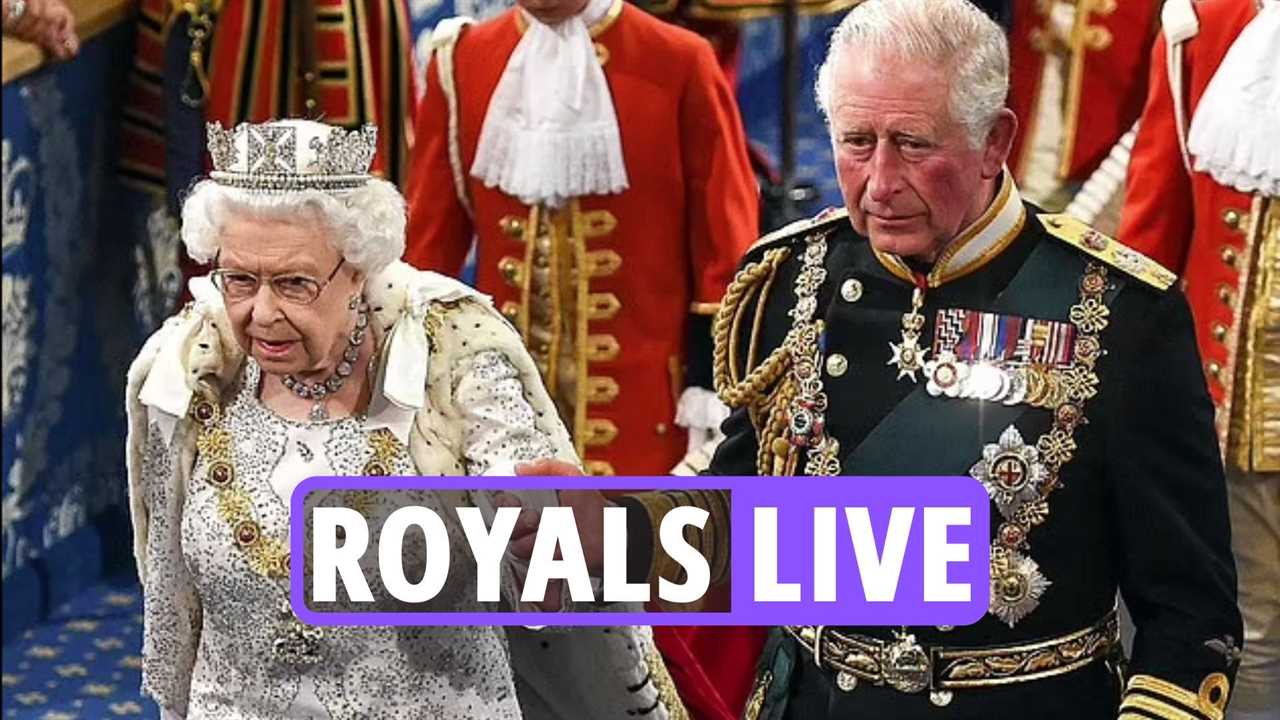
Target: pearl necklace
<point>319,392</point>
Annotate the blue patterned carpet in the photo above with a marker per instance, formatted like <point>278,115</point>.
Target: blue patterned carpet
<point>83,663</point>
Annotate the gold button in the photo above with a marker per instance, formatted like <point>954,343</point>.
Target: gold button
<point>660,428</point>
<point>1219,332</point>
<point>1229,255</point>
<point>510,269</point>
<point>837,365</point>
<point>543,348</point>
<point>851,290</point>
<point>512,226</point>
<point>1231,217</point>
<point>1214,370</point>
<point>1225,294</point>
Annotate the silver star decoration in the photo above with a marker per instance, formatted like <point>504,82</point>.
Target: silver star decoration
<point>1016,586</point>
<point>907,357</point>
<point>1012,472</point>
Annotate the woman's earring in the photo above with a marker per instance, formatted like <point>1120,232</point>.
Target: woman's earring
<point>353,302</point>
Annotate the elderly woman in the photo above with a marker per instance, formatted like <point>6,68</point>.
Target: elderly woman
<point>309,350</point>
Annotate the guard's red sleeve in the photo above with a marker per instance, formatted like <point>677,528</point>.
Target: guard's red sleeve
<point>723,199</point>
<point>439,230</point>
<point>1157,218</point>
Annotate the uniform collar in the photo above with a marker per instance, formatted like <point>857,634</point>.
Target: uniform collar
<point>977,244</point>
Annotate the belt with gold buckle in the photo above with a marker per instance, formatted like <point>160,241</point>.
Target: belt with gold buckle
<point>906,666</point>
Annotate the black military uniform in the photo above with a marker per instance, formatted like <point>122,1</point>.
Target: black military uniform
<point>1057,367</point>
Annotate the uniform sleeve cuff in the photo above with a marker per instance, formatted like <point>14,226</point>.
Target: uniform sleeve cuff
<point>1147,696</point>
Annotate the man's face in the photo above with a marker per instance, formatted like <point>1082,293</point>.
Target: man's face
<point>909,176</point>
<point>552,12</point>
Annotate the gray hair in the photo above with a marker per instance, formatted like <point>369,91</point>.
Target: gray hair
<point>951,34</point>
<point>365,225</point>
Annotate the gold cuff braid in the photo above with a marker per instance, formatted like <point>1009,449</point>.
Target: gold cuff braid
<point>1148,696</point>
<point>712,541</point>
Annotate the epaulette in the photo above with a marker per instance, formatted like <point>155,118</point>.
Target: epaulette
<point>829,216</point>
<point>1108,250</point>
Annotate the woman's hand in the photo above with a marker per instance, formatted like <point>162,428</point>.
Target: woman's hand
<point>588,512</point>
<point>548,466</point>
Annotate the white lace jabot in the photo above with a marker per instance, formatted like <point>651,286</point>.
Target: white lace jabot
<point>551,131</point>
<point>1233,134</point>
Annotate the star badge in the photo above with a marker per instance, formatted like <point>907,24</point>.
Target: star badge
<point>908,358</point>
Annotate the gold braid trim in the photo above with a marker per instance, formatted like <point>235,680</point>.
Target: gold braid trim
<point>668,695</point>
<point>734,390</point>
<point>712,542</point>
<point>760,391</point>
<point>775,454</point>
<point>1164,699</point>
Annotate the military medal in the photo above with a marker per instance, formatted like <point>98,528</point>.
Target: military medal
<point>908,356</point>
<point>1016,585</point>
<point>1011,471</point>
<point>1003,358</point>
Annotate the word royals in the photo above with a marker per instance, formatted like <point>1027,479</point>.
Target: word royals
<point>557,555</point>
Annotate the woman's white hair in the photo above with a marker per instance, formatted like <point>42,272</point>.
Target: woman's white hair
<point>365,225</point>
<point>951,34</point>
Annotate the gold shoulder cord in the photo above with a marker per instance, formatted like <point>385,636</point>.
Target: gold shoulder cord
<point>752,388</point>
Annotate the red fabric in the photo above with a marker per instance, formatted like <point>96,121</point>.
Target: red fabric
<point>367,39</point>
<point>1026,67</point>
<point>1111,78</point>
<point>1176,217</point>
<point>712,666</point>
<point>689,214</point>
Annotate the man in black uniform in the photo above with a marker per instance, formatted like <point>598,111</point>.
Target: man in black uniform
<point>939,325</point>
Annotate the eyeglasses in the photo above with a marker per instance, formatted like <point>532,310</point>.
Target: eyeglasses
<point>291,287</point>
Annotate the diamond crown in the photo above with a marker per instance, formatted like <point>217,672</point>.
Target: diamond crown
<point>290,155</point>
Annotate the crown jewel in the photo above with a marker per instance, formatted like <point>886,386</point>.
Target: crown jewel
<point>289,155</point>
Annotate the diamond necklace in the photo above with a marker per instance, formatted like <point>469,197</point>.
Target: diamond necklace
<point>319,392</point>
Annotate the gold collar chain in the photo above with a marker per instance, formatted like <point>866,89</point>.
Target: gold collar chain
<point>807,412</point>
<point>292,641</point>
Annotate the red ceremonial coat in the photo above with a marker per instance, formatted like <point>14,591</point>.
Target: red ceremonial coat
<point>1184,219</point>
<point>252,59</point>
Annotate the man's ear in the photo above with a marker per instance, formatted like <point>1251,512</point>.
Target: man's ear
<point>999,143</point>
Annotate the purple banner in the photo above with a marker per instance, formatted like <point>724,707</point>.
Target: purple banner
<point>805,551</point>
